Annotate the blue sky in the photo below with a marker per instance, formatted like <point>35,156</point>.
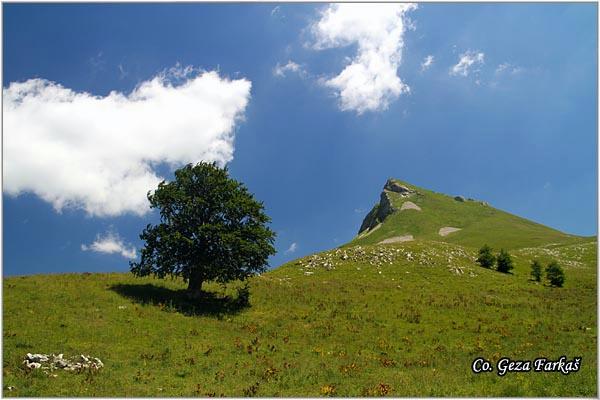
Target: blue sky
<point>505,111</point>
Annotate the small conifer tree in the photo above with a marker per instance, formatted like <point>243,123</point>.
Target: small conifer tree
<point>555,274</point>
<point>504,261</point>
<point>536,271</point>
<point>486,259</point>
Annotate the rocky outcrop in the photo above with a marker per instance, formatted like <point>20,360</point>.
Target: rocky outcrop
<point>396,187</point>
<point>379,212</point>
<point>384,208</point>
<point>370,220</point>
<point>459,198</point>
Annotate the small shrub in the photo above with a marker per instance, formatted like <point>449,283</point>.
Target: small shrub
<point>486,259</point>
<point>555,274</point>
<point>348,368</point>
<point>251,390</point>
<point>243,296</point>
<point>536,271</point>
<point>504,262</point>
<point>380,390</point>
<point>387,362</point>
<point>328,390</point>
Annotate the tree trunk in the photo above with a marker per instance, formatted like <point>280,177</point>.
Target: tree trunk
<point>194,290</point>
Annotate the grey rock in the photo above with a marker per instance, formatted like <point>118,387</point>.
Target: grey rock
<point>370,220</point>
<point>37,358</point>
<point>396,187</point>
<point>459,198</point>
<point>379,213</point>
<point>384,208</point>
<point>42,361</point>
<point>31,365</point>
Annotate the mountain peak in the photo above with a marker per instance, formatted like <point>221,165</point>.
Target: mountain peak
<point>407,212</point>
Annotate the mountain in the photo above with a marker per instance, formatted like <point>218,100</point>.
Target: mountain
<point>370,318</point>
<point>406,212</point>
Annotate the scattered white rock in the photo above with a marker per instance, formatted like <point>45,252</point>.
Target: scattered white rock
<point>37,358</point>
<point>440,254</point>
<point>52,362</point>
<point>31,365</point>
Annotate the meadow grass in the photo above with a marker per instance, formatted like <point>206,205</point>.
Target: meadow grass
<point>402,324</point>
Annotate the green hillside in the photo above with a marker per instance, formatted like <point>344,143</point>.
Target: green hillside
<point>479,222</point>
<point>365,319</point>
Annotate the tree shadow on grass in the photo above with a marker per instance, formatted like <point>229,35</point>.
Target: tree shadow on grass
<point>177,300</point>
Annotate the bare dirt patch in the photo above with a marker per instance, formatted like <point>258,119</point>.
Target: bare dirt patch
<point>396,239</point>
<point>409,205</point>
<point>446,230</point>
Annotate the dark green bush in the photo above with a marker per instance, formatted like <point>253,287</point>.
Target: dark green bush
<point>555,274</point>
<point>504,262</point>
<point>536,271</point>
<point>486,259</point>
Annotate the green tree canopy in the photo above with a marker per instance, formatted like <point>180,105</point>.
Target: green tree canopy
<point>211,228</point>
<point>486,259</point>
<point>555,274</point>
<point>536,270</point>
<point>504,262</point>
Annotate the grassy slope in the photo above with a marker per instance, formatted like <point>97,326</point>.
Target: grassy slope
<point>411,324</point>
<point>480,224</point>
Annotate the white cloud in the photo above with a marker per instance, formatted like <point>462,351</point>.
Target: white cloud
<point>111,243</point>
<point>292,249</point>
<point>77,150</point>
<point>276,11</point>
<point>281,70</point>
<point>122,72</point>
<point>427,62</point>
<point>508,68</point>
<point>97,62</point>
<point>467,61</point>
<point>370,81</point>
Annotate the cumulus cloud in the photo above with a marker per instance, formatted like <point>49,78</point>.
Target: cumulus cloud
<point>467,61</point>
<point>111,243</point>
<point>99,153</point>
<point>370,81</point>
<point>281,70</point>
<point>292,249</point>
<point>427,62</point>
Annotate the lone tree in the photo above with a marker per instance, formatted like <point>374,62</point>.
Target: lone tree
<point>555,274</point>
<point>486,259</point>
<point>536,270</point>
<point>504,262</point>
<point>211,229</point>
